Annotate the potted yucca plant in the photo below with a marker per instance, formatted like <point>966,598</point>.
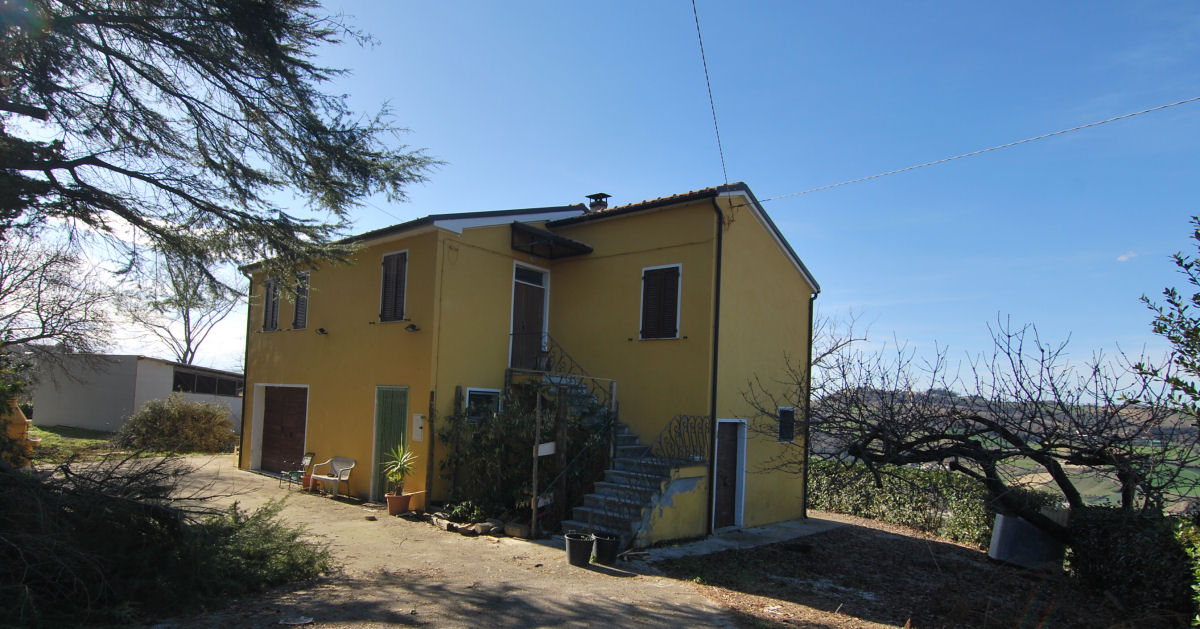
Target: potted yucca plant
<point>398,463</point>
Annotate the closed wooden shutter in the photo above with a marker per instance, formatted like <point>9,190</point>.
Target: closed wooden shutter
<point>392,299</point>
<point>660,303</point>
<point>300,319</point>
<point>271,305</point>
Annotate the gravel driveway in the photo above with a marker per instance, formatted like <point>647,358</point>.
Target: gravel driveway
<point>395,571</point>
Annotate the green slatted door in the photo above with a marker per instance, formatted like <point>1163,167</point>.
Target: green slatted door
<point>391,409</point>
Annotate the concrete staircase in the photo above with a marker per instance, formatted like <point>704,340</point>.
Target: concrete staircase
<point>630,483</point>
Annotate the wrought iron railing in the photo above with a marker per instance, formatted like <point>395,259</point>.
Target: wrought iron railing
<point>686,438</point>
<point>538,353</point>
<point>559,377</point>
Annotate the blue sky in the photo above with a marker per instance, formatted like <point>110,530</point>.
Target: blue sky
<point>541,103</point>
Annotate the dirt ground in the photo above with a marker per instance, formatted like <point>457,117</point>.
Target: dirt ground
<point>849,573</point>
<point>399,572</point>
<point>870,574</point>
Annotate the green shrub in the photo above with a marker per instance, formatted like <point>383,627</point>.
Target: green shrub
<point>464,512</point>
<point>489,460</point>
<point>175,424</point>
<point>104,544</point>
<point>1187,532</point>
<point>948,505</point>
<point>235,551</point>
<point>1139,561</point>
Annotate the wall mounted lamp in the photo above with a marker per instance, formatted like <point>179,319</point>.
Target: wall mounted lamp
<point>412,327</point>
<point>322,331</point>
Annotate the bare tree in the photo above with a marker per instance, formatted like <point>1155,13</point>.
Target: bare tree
<point>181,308</point>
<point>48,298</point>
<point>49,304</point>
<point>1025,408</point>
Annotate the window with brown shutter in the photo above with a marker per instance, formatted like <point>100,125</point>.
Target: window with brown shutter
<point>660,303</point>
<point>391,302</point>
<point>270,305</point>
<point>300,318</point>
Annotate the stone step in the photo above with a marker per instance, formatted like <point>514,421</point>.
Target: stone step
<point>618,506</point>
<point>598,517</point>
<point>627,440</point>
<point>634,478</point>
<point>645,465</point>
<point>633,451</point>
<point>640,493</point>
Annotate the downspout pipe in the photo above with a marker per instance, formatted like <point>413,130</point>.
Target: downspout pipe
<point>712,404</point>
<point>808,406</point>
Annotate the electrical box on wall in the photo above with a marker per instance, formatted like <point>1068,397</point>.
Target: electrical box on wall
<point>418,427</point>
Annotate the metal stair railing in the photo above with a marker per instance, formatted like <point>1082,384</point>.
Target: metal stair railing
<point>684,439</point>
<point>553,361</point>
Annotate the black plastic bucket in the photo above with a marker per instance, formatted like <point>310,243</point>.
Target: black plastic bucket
<point>579,548</point>
<point>606,549</point>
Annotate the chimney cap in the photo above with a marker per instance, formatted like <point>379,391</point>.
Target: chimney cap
<point>599,202</point>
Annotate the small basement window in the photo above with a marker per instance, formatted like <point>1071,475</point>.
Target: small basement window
<point>787,424</point>
<point>482,403</point>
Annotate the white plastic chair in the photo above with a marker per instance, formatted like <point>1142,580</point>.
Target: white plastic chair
<point>339,471</point>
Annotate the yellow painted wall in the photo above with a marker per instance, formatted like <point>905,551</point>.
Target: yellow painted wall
<point>764,317</point>
<point>359,353</point>
<point>596,311</point>
<point>679,510</point>
<point>474,285</point>
<point>459,293</point>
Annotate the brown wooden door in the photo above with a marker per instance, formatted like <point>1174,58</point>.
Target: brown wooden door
<point>284,410</point>
<point>529,309</point>
<point>725,502</point>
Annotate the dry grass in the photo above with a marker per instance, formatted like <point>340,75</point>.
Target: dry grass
<point>875,575</point>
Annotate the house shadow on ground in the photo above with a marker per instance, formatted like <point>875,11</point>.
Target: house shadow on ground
<point>857,572</point>
<point>413,598</point>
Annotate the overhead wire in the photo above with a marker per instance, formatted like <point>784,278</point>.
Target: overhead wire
<point>708,83</point>
<point>986,150</point>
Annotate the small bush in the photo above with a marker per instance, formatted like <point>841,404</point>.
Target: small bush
<point>1187,533</point>
<point>105,544</point>
<point>1137,560</point>
<point>488,460</point>
<point>465,512</point>
<point>947,505</point>
<point>235,551</point>
<point>175,424</point>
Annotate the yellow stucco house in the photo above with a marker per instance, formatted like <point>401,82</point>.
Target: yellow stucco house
<point>674,304</point>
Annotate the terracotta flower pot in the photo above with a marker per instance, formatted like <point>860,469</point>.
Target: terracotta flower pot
<point>398,504</point>
<point>305,481</point>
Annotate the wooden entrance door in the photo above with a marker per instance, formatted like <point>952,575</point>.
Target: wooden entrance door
<point>725,501</point>
<point>391,413</point>
<point>284,411</point>
<point>528,317</point>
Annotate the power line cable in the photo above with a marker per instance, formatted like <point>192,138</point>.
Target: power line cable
<point>981,151</point>
<point>708,83</point>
